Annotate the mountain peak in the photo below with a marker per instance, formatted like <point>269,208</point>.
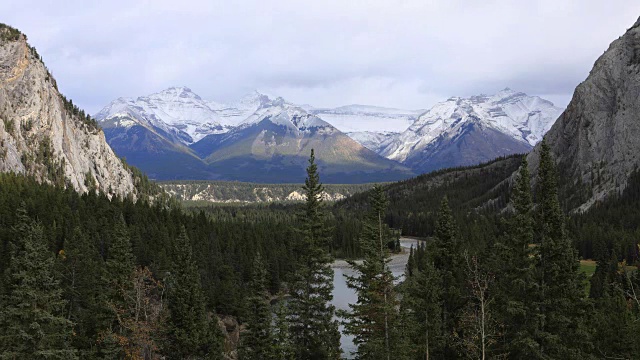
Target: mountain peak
<point>509,114</point>
<point>178,92</point>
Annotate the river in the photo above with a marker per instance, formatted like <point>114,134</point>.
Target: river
<point>343,296</point>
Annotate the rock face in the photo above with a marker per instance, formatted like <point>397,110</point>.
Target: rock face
<point>44,135</point>
<point>596,141</point>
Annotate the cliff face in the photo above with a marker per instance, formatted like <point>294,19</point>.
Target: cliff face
<point>596,141</point>
<point>44,135</point>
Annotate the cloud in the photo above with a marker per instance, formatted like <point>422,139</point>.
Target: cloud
<point>327,53</point>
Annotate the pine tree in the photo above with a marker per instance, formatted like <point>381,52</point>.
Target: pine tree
<point>562,333</point>
<point>313,330</point>
<point>82,268</point>
<point>257,339</point>
<point>421,301</point>
<point>515,285</point>
<point>192,334</point>
<point>373,319</point>
<point>282,345</point>
<point>32,322</point>
<point>448,262</point>
<point>613,320</point>
<point>118,287</point>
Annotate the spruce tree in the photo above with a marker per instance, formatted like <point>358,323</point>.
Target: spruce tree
<point>313,330</point>
<point>515,286</point>
<point>421,301</point>
<point>82,268</point>
<point>613,320</point>
<point>192,333</point>
<point>448,262</point>
<point>257,339</point>
<point>118,288</point>
<point>282,345</point>
<point>32,321</point>
<point>373,319</point>
<point>562,305</point>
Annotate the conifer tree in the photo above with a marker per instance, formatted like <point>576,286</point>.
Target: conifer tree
<point>448,262</point>
<point>562,333</point>
<point>282,346</point>
<point>257,339</point>
<point>373,319</point>
<point>192,334</point>
<point>82,268</point>
<point>421,301</point>
<point>32,322</point>
<point>613,321</point>
<point>119,268</point>
<point>515,286</point>
<point>313,330</point>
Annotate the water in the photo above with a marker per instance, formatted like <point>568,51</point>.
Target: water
<point>343,296</point>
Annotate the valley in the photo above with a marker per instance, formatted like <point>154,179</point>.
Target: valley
<point>169,226</point>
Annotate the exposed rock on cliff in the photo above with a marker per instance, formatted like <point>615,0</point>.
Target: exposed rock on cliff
<point>45,135</point>
<point>596,141</point>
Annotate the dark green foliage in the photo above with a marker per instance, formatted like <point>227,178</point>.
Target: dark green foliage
<point>374,318</point>
<point>257,339</point>
<point>447,260</point>
<point>192,333</point>
<point>283,346</point>
<point>32,321</point>
<point>562,331</point>
<point>475,194</point>
<point>421,302</point>
<point>514,264</point>
<point>313,330</point>
<point>8,33</point>
<point>75,112</point>
<point>82,273</point>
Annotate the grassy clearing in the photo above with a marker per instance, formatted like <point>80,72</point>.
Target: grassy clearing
<point>588,267</point>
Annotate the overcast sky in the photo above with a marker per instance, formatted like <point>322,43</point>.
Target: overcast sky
<point>405,54</point>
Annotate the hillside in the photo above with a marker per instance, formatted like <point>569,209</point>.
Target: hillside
<point>241,192</point>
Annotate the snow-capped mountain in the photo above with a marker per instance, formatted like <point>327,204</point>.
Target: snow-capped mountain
<point>518,120</point>
<point>373,140</point>
<point>176,110</point>
<point>364,118</point>
<point>175,134</point>
<point>275,141</point>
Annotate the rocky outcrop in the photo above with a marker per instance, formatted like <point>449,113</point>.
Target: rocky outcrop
<point>235,192</point>
<point>596,141</point>
<point>230,329</point>
<point>44,135</point>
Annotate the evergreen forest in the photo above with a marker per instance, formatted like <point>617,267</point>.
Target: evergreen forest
<point>498,276</point>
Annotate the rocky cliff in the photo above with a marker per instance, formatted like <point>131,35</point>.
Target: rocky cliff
<point>43,134</point>
<point>596,141</point>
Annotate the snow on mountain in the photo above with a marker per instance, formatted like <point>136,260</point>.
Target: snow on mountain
<point>282,113</point>
<point>522,117</point>
<point>236,113</point>
<point>361,118</point>
<point>372,140</point>
<point>174,110</point>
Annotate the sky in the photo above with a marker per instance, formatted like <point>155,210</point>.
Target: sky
<point>403,54</point>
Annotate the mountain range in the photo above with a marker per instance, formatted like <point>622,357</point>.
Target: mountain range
<point>175,134</point>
